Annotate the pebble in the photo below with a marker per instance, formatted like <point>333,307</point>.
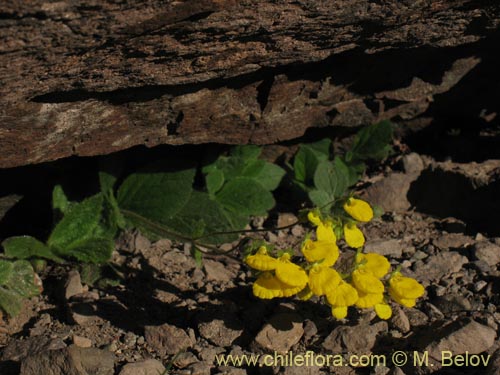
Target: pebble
<point>82,342</point>
<point>147,367</point>
<point>282,332</point>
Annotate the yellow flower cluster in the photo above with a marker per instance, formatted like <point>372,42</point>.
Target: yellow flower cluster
<point>363,287</point>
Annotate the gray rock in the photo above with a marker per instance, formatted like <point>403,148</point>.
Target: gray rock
<point>448,241</point>
<point>217,271</point>
<point>82,342</point>
<point>167,339</point>
<point>400,320</point>
<point>147,367</point>
<point>299,370</point>
<point>222,331</point>
<point>70,361</point>
<point>494,365</point>
<point>412,163</point>
<point>439,266</point>
<point>282,332</point>
<point>73,285</point>
<point>198,368</point>
<point>487,252</point>
<point>449,304</point>
<point>391,192</point>
<point>357,339</point>
<point>83,314</point>
<point>392,247</point>
<point>466,336</point>
<point>20,349</point>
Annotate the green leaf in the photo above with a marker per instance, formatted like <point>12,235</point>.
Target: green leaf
<point>331,178</point>
<point>308,158</point>
<point>90,250</point>
<point>5,271</point>
<point>201,216</point>
<point>22,280</point>
<point>246,152</point>
<point>267,174</point>
<point>59,200</point>
<point>320,198</point>
<point>372,142</point>
<point>10,301</point>
<point>214,180</point>
<point>155,193</point>
<point>26,247</point>
<point>245,196</point>
<point>78,224</point>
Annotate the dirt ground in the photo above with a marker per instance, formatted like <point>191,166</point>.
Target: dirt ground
<point>169,314</point>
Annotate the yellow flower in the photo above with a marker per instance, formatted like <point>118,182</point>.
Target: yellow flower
<point>325,249</point>
<point>340,298</point>
<point>405,290</point>
<point>383,310</point>
<point>314,218</point>
<point>261,261</point>
<point>367,300</point>
<point>358,209</point>
<point>290,273</point>
<point>376,264</point>
<point>353,236</point>
<point>268,286</point>
<point>365,282</point>
<point>323,280</point>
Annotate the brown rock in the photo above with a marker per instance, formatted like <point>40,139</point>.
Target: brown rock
<point>167,339</point>
<point>439,266</point>
<point>147,367</point>
<point>222,331</point>
<point>282,332</point>
<point>357,339</point>
<point>70,361</point>
<point>487,252</point>
<point>467,336</point>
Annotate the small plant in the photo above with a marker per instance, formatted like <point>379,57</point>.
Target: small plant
<point>364,284</point>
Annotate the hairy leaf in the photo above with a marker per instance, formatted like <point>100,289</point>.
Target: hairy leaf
<point>26,247</point>
<point>372,142</point>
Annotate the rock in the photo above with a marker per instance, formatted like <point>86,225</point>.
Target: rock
<point>310,330</point>
<point>464,336</point>
<point>299,370</point>
<point>439,266</point>
<point>416,317</point>
<point>447,241</point>
<point>220,330</point>
<point>167,339</point>
<point>391,192</point>
<point>147,367</point>
<point>392,247</point>
<point>82,342</point>
<point>494,365</point>
<point>412,163</point>
<point>217,271</point>
<point>83,314</point>
<point>449,304</point>
<point>70,361</point>
<point>285,219</point>
<point>20,349</point>
<point>198,368</point>
<point>73,285</point>
<point>400,320</point>
<point>228,370</point>
<point>487,252</point>
<point>357,339</point>
<point>282,332</point>
<point>184,359</point>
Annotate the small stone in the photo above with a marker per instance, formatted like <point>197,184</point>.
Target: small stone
<point>412,163</point>
<point>20,349</point>
<point>71,360</point>
<point>167,339</point>
<point>147,367</point>
<point>82,342</point>
<point>452,304</point>
<point>439,266</point>
<point>416,317</point>
<point>310,330</point>
<point>400,320</point>
<point>494,365</point>
<point>392,247</point>
<point>184,359</point>
<point>217,271</point>
<point>73,285</point>
<point>487,252</point>
<point>282,332</point>
<point>229,370</point>
<point>356,339</point>
<point>460,337</point>
<point>447,241</point>
<point>299,370</point>
<point>285,219</point>
<point>391,192</point>
<point>198,368</point>
<point>83,313</point>
<point>220,330</point>
<point>478,286</point>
